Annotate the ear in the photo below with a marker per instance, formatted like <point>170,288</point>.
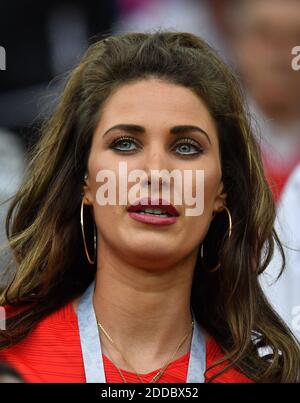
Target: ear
<point>220,199</point>
<point>87,194</point>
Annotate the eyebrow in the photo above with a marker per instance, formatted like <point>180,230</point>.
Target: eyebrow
<point>136,129</point>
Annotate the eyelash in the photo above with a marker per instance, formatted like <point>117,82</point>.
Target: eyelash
<point>179,142</point>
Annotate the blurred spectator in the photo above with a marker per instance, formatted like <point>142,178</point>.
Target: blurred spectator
<point>180,15</point>
<point>12,164</point>
<point>261,34</point>
<point>43,40</point>
<point>130,6</point>
<point>285,293</point>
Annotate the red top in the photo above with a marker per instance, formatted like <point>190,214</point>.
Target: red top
<point>52,353</point>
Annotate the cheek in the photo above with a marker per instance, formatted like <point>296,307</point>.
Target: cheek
<point>198,225</point>
<point>107,217</point>
<point>100,160</point>
<point>211,181</point>
<point>212,174</point>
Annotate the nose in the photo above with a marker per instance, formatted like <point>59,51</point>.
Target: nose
<point>156,164</point>
<point>156,157</point>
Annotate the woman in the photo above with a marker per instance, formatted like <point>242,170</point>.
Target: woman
<point>175,297</point>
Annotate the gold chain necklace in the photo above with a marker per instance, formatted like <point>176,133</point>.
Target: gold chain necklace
<point>160,372</point>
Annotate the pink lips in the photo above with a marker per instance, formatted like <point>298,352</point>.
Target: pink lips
<point>164,206</point>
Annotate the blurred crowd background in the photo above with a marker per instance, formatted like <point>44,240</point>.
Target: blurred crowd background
<point>45,40</point>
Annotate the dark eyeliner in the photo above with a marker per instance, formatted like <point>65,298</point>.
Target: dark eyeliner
<point>191,142</point>
<point>121,138</point>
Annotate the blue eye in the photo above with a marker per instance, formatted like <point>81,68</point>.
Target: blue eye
<point>188,147</point>
<point>124,144</point>
<point>184,147</point>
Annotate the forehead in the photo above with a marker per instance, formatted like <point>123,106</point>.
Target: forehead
<point>155,102</point>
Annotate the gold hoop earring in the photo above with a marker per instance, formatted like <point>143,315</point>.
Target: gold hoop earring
<point>91,261</point>
<point>229,235</point>
<point>230,221</point>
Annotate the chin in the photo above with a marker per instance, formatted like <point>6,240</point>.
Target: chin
<point>153,250</point>
<point>149,252</point>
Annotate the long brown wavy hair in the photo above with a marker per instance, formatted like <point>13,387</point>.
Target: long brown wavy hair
<point>43,225</point>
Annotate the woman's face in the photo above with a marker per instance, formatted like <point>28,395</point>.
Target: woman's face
<point>157,107</point>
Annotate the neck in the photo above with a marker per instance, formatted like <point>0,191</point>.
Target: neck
<point>146,312</point>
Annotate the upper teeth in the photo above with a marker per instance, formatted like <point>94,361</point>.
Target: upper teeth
<point>155,211</point>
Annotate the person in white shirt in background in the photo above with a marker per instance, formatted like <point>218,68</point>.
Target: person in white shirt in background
<point>284,294</point>
<point>12,165</point>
